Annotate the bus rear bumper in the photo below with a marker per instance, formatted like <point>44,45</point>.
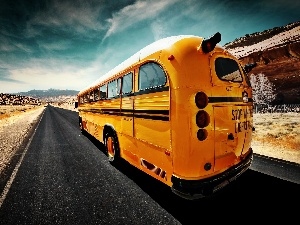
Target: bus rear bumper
<point>195,189</point>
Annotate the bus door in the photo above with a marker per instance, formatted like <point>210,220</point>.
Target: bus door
<point>127,105</point>
<point>127,143</point>
<point>232,111</point>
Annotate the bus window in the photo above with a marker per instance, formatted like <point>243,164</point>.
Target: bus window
<point>228,70</point>
<point>127,84</point>
<point>91,96</point>
<point>86,98</point>
<point>112,89</point>
<point>96,94</point>
<point>81,101</point>
<point>103,92</point>
<point>151,75</point>
<point>119,82</point>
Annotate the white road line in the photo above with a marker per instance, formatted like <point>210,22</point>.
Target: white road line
<point>14,173</point>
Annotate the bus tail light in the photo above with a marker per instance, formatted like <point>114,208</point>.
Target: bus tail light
<point>201,100</point>
<point>202,134</point>
<point>202,119</point>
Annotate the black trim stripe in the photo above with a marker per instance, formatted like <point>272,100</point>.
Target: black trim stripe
<point>227,99</point>
<point>146,114</point>
<point>152,90</point>
<point>163,112</point>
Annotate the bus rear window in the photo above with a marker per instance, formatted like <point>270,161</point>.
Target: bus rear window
<point>151,75</point>
<point>228,70</point>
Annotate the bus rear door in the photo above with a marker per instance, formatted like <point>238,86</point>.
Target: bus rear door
<point>232,111</point>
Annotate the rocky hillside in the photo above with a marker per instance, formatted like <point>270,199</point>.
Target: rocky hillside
<point>38,97</point>
<point>52,95</point>
<point>277,54</point>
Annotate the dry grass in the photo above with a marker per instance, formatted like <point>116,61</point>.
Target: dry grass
<point>7,111</point>
<point>281,130</point>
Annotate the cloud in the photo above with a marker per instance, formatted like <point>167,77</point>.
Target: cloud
<point>11,43</point>
<point>43,74</point>
<point>5,45</point>
<point>78,16</point>
<point>57,45</point>
<point>137,12</point>
<point>4,77</point>
<point>158,29</point>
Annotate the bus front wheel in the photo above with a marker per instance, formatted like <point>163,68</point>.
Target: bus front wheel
<point>112,146</point>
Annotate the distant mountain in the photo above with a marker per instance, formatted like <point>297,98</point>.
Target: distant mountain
<point>51,95</point>
<point>48,93</point>
<point>277,55</point>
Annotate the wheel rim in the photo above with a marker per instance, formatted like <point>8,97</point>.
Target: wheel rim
<point>110,146</point>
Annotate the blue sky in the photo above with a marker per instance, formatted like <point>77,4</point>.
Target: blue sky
<point>68,44</point>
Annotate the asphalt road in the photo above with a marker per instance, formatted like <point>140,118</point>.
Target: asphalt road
<point>65,178</point>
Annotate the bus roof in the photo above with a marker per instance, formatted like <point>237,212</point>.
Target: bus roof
<point>143,53</point>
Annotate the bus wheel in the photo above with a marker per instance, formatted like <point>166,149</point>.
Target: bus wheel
<point>112,146</point>
<point>81,126</point>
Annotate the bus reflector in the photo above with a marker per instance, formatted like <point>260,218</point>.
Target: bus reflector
<point>202,119</point>
<point>201,100</point>
<point>202,134</point>
<point>171,57</point>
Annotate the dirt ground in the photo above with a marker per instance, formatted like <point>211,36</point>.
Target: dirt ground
<point>277,135</point>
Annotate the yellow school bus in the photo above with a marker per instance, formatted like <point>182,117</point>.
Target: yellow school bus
<point>180,110</point>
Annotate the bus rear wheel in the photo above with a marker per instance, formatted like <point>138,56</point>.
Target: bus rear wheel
<point>81,126</point>
<point>112,146</point>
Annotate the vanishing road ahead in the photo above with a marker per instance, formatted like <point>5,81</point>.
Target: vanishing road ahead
<point>65,178</point>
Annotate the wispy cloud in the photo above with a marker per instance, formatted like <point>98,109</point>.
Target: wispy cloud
<point>137,12</point>
<point>52,46</point>
<point>158,29</point>
<point>6,45</point>
<point>47,73</point>
<point>6,78</point>
<point>78,16</point>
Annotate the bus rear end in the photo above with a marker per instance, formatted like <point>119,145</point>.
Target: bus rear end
<point>216,148</point>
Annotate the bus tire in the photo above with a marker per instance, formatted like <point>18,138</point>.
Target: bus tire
<point>112,146</point>
<point>81,126</point>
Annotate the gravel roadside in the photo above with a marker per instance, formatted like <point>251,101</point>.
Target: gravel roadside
<point>13,131</point>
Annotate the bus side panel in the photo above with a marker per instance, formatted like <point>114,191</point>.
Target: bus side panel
<point>151,122</point>
<point>151,112</point>
<point>128,146</point>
